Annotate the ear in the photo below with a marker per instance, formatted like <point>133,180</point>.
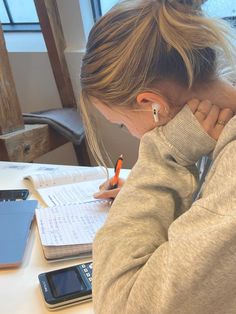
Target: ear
<point>147,99</point>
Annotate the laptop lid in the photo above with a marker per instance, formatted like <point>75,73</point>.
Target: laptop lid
<point>15,222</point>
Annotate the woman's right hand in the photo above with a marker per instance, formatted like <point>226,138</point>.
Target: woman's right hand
<point>105,191</point>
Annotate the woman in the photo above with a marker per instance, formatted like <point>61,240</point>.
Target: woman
<point>160,252</point>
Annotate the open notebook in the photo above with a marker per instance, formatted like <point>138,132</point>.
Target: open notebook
<point>72,217</point>
<point>68,230</point>
<point>68,186</point>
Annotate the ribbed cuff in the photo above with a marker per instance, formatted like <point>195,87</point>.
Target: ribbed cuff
<point>187,138</point>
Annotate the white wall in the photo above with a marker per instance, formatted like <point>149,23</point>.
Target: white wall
<point>36,87</point>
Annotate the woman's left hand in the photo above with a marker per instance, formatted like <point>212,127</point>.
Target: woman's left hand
<point>211,117</point>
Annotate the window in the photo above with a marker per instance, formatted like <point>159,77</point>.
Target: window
<point>219,8</point>
<point>106,5</point>
<point>19,15</point>
<point>100,7</point>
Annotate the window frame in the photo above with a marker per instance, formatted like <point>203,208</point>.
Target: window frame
<point>12,26</point>
<point>231,20</point>
<point>97,13</point>
<point>96,9</point>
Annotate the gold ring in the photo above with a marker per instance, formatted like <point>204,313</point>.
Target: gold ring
<point>221,122</point>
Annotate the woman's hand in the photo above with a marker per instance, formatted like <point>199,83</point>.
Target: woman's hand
<point>212,118</point>
<point>105,192</point>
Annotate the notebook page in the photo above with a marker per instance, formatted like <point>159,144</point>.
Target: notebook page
<point>58,176</point>
<point>72,224</point>
<point>76,193</point>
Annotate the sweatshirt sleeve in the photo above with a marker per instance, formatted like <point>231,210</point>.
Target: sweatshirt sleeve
<point>152,255</point>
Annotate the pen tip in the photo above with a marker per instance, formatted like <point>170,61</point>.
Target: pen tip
<point>121,156</point>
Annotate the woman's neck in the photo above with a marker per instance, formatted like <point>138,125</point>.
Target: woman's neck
<point>219,92</point>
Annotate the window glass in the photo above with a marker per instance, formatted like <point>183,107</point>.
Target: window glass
<point>3,14</point>
<point>218,8</point>
<point>23,11</point>
<point>107,4</point>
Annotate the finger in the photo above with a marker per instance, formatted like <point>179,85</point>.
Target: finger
<point>224,116</point>
<point>121,182</point>
<point>106,194</point>
<point>193,104</point>
<point>203,110</point>
<point>107,185</point>
<point>212,117</point>
<point>104,185</point>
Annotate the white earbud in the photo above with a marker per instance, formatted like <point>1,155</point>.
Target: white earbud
<point>155,111</point>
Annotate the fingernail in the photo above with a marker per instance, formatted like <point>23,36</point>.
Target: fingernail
<point>97,194</point>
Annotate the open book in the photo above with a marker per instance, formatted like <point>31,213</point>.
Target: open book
<point>72,186</point>
<point>68,231</point>
<point>68,225</point>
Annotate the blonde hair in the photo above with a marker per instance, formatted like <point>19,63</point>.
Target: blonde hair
<point>141,42</point>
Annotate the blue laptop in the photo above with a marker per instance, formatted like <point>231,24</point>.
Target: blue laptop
<point>15,223</point>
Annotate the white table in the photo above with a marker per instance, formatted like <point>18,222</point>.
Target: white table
<point>19,288</point>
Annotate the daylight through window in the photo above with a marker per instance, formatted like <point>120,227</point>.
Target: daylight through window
<point>19,15</point>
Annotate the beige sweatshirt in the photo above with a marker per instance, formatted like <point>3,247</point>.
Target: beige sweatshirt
<point>158,251</point>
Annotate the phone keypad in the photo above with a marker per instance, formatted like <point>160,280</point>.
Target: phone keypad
<point>87,270</point>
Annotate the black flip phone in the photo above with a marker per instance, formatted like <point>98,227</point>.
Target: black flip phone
<point>67,286</point>
<point>14,195</point>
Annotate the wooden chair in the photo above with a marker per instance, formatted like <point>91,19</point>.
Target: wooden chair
<point>23,142</point>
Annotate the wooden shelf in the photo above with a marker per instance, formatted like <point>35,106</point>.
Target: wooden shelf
<point>27,144</point>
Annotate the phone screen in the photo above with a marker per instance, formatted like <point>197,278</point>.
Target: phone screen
<point>66,282</point>
<point>12,195</point>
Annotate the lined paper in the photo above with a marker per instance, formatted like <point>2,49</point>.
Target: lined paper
<point>61,176</point>
<point>75,193</point>
<point>71,224</point>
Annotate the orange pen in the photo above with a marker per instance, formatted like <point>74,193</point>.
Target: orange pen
<point>118,166</point>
